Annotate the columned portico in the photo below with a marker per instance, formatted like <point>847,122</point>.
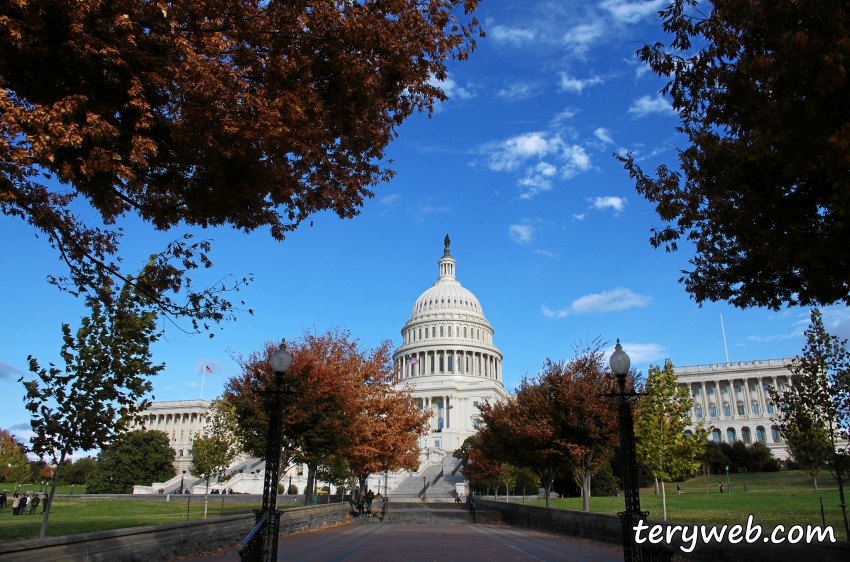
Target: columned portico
<point>447,360</point>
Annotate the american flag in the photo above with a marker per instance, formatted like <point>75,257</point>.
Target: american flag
<point>207,369</point>
<point>412,361</point>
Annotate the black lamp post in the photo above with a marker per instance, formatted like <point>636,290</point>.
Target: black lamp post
<point>728,482</point>
<point>620,364</point>
<point>264,547</point>
<point>110,485</point>
<point>743,471</point>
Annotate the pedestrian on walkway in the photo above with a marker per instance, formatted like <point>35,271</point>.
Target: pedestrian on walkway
<point>370,495</point>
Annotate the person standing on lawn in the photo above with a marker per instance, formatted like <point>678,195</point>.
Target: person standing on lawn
<point>16,501</point>
<point>3,496</point>
<point>34,504</point>
<point>22,505</point>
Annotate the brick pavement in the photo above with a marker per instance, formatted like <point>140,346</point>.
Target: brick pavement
<point>427,543</point>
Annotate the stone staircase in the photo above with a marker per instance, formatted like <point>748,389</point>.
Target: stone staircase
<point>439,479</point>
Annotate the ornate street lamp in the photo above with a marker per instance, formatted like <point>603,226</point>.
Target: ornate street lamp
<point>620,364</point>
<point>728,482</point>
<point>110,485</point>
<point>261,543</point>
<point>743,471</point>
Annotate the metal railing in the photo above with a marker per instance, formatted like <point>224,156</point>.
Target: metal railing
<point>458,467</point>
<point>437,478</point>
<point>251,548</point>
<point>422,491</point>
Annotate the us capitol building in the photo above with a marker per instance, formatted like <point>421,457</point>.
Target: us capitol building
<point>447,359</point>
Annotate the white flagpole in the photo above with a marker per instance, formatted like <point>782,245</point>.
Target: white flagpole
<point>725,347</point>
<point>203,376</point>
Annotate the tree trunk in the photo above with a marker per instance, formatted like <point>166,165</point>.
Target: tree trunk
<point>815,482</point>
<point>206,497</point>
<point>585,491</point>
<point>361,481</point>
<point>663,501</point>
<point>311,481</point>
<point>49,499</point>
<point>656,486</point>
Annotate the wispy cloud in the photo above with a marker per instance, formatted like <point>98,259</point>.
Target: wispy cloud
<point>602,203</point>
<point>433,209</point>
<point>452,89</point>
<point>9,372</point>
<point>216,365</point>
<point>624,11</point>
<point>388,199</point>
<point>579,217</point>
<point>521,233</point>
<point>641,353</point>
<point>20,427</point>
<point>567,113</point>
<point>571,84</point>
<point>546,253</point>
<point>581,37</point>
<point>516,92</point>
<point>603,135</point>
<point>620,298</point>
<point>513,36</point>
<point>511,153</point>
<point>537,178</point>
<point>647,105</point>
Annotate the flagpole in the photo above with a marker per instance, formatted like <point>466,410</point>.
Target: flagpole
<point>203,376</point>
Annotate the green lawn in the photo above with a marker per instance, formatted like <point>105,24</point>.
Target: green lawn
<point>773,498</point>
<point>85,515</point>
<point>40,490</point>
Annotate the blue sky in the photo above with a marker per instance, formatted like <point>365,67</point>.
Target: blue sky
<point>517,168</point>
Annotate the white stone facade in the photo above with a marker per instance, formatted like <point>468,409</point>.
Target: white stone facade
<point>733,398</point>
<point>181,420</point>
<point>447,360</point>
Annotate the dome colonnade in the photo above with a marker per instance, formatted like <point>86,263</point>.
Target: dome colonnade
<point>447,359</point>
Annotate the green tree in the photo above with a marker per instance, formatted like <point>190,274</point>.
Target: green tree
<point>104,381</point>
<point>820,392</point>
<point>809,445</point>
<point>660,440</point>
<point>214,452</point>
<point>761,90</point>
<point>78,472</point>
<point>133,458</point>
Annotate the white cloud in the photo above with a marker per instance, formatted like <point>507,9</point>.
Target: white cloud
<point>577,161</point>
<point>567,113</point>
<point>537,179</point>
<point>641,353</point>
<point>620,298</point>
<point>433,209</point>
<point>452,89</point>
<point>572,84</point>
<point>387,199</point>
<point>602,203</point>
<point>547,253</point>
<point>582,36</point>
<point>579,217</point>
<point>603,135</point>
<point>516,37</point>
<point>645,105</point>
<point>510,153</point>
<point>624,11</point>
<point>516,92</point>
<point>521,233</point>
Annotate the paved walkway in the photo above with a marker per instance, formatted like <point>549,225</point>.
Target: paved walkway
<point>427,543</point>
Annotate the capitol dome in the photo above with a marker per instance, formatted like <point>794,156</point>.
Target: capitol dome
<point>447,359</point>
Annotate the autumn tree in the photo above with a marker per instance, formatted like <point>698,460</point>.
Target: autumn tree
<point>820,395</point>
<point>104,382</point>
<point>250,114</point>
<point>215,451</point>
<point>761,91</point>
<point>661,443</point>
<point>14,465</point>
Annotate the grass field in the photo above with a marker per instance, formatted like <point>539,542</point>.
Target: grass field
<point>72,516</point>
<point>773,498</point>
<point>40,490</point>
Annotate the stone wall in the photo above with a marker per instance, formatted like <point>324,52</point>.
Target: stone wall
<point>606,528</point>
<point>161,542</point>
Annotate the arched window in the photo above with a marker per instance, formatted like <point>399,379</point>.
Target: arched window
<point>755,407</point>
<point>441,363</point>
<point>712,410</point>
<point>770,407</point>
<point>774,434</point>
<point>716,435</point>
<point>441,331</point>
<point>727,411</point>
<point>180,453</point>
<point>730,435</point>
<point>760,434</point>
<point>464,331</point>
<point>450,363</point>
<point>420,333</point>
<point>746,437</point>
<point>698,411</point>
<point>433,331</point>
<point>741,410</point>
<point>688,433</point>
